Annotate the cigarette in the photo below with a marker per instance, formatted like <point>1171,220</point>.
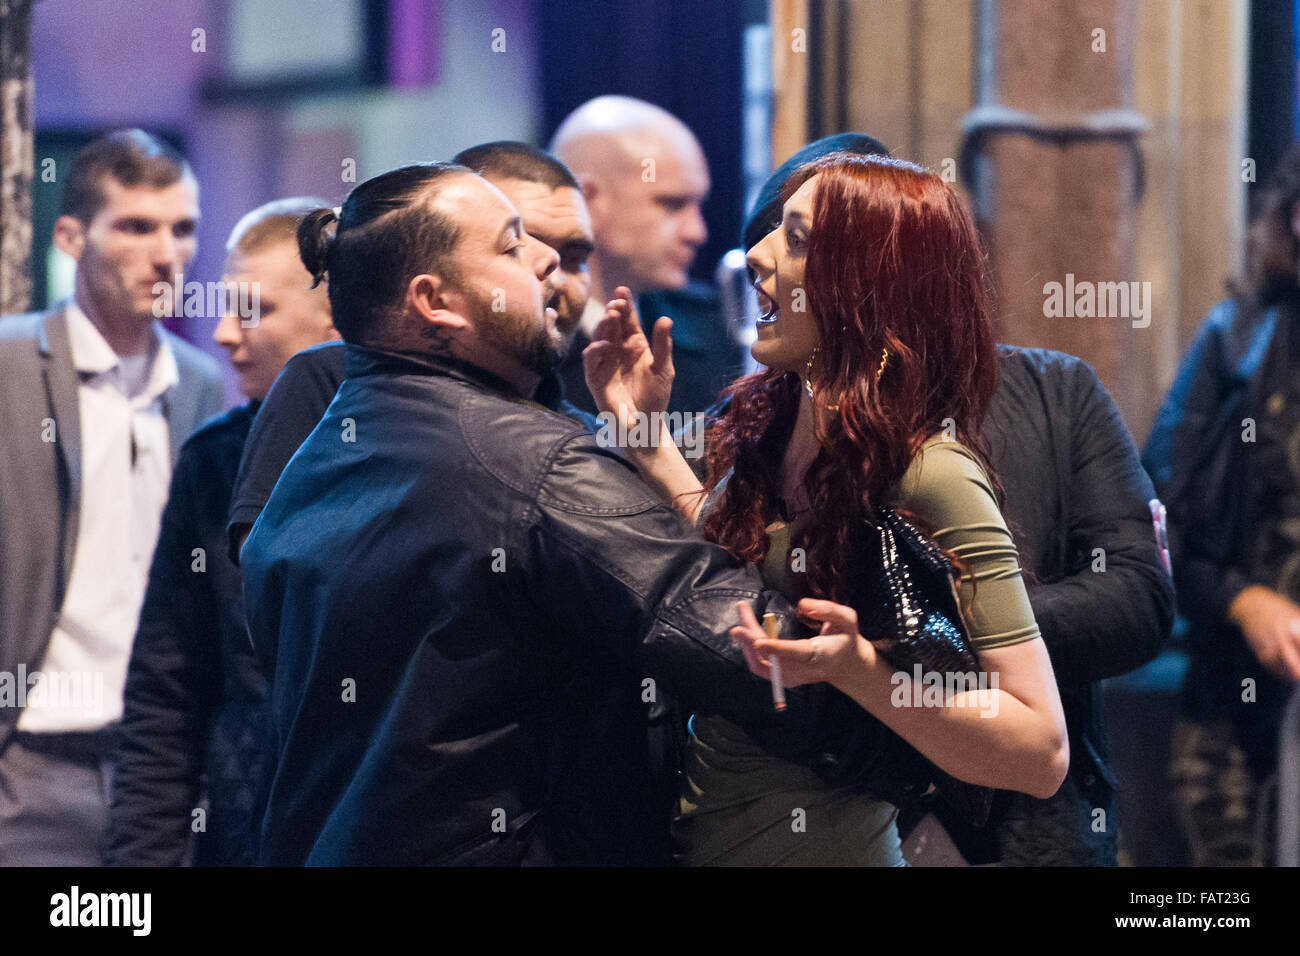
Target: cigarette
<point>770,626</point>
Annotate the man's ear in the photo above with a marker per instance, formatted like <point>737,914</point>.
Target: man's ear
<point>589,188</point>
<point>70,235</point>
<point>434,302</point>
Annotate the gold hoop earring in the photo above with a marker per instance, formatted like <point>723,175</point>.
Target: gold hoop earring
<point>807,378</point>
<point>807,374</point>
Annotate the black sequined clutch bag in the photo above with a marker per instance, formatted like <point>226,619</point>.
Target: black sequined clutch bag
<point>913,620</point>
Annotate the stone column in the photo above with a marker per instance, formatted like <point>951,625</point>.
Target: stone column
<point>16,156</point>
<point>1054,165</point>
<point>792,45</point>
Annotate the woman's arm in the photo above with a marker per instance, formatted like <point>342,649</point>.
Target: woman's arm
<point>631,385</point>
<point>1010,735</point>
<point>665,470</point>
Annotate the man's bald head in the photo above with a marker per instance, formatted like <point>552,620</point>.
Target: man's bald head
<point>645,177</point>
<point>613,129</point>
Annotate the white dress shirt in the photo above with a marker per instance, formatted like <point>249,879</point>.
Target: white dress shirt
<point>125,473</point>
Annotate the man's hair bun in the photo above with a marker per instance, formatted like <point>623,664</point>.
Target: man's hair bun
<point>314,242</point>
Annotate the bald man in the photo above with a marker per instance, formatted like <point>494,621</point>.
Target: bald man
<point>645,178</point>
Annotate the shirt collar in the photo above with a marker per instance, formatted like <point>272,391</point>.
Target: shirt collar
<point>164,374</point>
<point>90,353</point>
<point>93,355</point>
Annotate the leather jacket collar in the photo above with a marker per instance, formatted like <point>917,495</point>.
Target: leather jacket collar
<point>363,360</point>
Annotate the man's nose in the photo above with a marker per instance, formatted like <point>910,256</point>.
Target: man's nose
<point>559,280</point>
<point>694,229</point>
<point>228,333</point>
<point>547,263</point>
<point>167,252</point>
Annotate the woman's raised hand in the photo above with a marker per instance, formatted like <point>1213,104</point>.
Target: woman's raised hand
<point>827,657</point>
<point>624,374</point>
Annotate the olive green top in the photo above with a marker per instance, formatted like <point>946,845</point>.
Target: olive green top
<point>948,487</point>
<point>741,806</point>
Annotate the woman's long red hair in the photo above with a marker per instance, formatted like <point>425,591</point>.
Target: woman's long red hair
<point>893,262</point>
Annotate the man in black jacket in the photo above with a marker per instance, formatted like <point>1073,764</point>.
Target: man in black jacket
<point>554,215</point>
<point>1077,505</point>
<point>192,742</point>
<point>468,601</point>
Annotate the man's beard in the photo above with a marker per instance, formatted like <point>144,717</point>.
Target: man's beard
<point>539,349</point>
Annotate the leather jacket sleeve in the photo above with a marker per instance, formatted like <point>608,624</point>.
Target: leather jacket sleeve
<point>1100,624</point>
<point>623,574</point>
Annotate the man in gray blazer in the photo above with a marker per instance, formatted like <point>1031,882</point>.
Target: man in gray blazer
<point>96,398</point>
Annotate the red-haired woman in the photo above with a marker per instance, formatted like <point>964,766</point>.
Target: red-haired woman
<point>880,365</point>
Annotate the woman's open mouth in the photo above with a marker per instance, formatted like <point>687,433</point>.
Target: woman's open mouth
<point>767,309</point>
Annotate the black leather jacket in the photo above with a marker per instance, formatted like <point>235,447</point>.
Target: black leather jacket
<point>470,605</point>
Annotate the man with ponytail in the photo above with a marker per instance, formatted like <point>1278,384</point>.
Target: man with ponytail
<point>554,217</point>
<point>469,604</point>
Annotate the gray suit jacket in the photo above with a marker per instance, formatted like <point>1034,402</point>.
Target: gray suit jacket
<point>41,479</point>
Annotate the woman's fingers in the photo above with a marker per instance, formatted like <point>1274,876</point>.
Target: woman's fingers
<point>809,661</point>
<point>663,348</point>
<point>599,368</point>
<point>620,306</point>
<point>623,308</point>
<point>596,355</point>
<point>802,661</point>
<point>757,665</point>
<point>609,329</point>
<point>798,652</point>
<point>837,618</point>
<point>747,619</point>
<point>745,634</point>
<point>1288,665</point>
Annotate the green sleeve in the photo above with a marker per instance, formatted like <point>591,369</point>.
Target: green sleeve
<point>947,488</point>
